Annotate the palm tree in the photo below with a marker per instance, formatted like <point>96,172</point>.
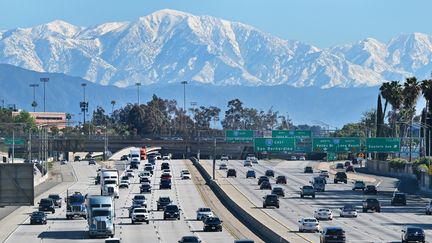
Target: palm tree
<point>113,102</point>
<point>411,93</point>
<point>392,93</point>
<point>426,87</point>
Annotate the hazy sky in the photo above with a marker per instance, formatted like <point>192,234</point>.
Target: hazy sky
<point>320,22</point>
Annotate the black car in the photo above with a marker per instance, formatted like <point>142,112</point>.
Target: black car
<point>231,172</point>
<point>265,185</point>
<point>144,179</point>
<point>271,200</point>
<point>340,177</point>
<point>281,180</point>
<point>56,199</point>
<point>347,163</point>
<point>332,234</point>
<point>262,179</point>
<point>38,217</point>
<point>212,224</point>
<point>145,188</point>
<point>92,162</point>
<point>370,189</point>
<point>77,158</point>
<point>340,166</point>
<point>47,204</point>
<point>171,212</point>
<point>165,183</point>
<point>413,234</point>
<point>165,166</point>
<point>269,173</point>
<point>189,239</point>
<point>97,180</point>
<point>278,191</point>
<point>308,169</point>
<point>124,157</point>
<point>371,204</point>
<point>399,199</point>
<point>162,202</point>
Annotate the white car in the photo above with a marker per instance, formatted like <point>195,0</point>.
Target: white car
<point>324,173</point>
<point>309,224</point>
<point>166,171</point>
<point>224,157</point>
<point>203,213</point>
<point>254,160</point>
<point>185,175</point>
<point>223,166</point>
<point>429,208</point>
<point>359,185</point>
<point>293,158</point>
<point>323,213</point>
<point>166,157</point>
<point>140,215</point>
<point>348,211</point>
<point>124,183</point>
<point>302,158</point>
<point>145,174</point>
<point>247,163</point>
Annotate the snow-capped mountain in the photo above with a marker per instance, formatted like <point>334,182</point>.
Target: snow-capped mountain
<point>169,46</point>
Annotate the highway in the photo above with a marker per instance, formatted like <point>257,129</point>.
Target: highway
<point>183,193</point>
<point>368,227</point>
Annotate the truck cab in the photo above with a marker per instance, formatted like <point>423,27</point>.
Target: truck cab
<point>75,206</point>
<point>110,188</point>
<point>100,216</point>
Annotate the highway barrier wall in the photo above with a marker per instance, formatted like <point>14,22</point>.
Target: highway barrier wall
<point>241,214</point>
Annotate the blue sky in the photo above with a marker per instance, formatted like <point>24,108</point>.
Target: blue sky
<point>320,22</point>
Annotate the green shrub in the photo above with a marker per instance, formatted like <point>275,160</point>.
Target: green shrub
<point>397,163</point>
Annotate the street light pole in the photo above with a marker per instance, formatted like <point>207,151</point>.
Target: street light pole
<point>34,103</point>
<point>138,93</point>
<point>84,104</point>
<point>184,102</point>
<point>44,81</point>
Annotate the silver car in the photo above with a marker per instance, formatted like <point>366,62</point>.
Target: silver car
<point>309,224</point>
<point>203,213</point>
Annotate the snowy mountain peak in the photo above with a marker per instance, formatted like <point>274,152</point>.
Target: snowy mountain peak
<point>170,46</point>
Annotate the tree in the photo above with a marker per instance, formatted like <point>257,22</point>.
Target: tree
<point>426,87</point>
<point>99,117</point>
<point>233,116</point>
<point>411,93</point>
<point>379,118</point>
<point>392,93</point>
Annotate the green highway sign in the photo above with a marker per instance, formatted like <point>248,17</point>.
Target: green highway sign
<point>239,135</point>
<point>383,145</point>
<point>331,157</point>
<point>300,134</point>
<point>336,145</point>
<point>18,141</point>
<point>274,144</point>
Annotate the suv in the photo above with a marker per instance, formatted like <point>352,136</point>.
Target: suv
<point>265,185</point>
<point>371,204</point>
<point>139,199</point>
<point>281,180</point>
<point>165,183</point>
<point>412,233</point>
<point>278,191</point>
<point>370,189</point>
<point>56,199</point>
<point>332,234</point>
<point>269,173</point>
<point>399,199</point>
<point>162,202</point>
<point>77,158</point>
<point>212,224</point>
<point>171,212</point>
<point>189,239</point>
<point>231,172</point>
<point>223,166</point>
<point>247,163</point>
<point>203,213</point>
<point>340,176</point>
<point>140,215</point>
<point>38,217</point>
<point>308,169</point>
<point>250,174</point>
<point>145,187</point>
<point>92,162</point>
<point>271,200</point>
<point>358,185</point>
<point>307,191</point>
<point>47,204</point>
<point>261,179</point>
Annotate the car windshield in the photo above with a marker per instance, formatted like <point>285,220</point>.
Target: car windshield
<point>271,197</point>
<point>310,220</point>
<point>399,196</point>
<point>140,210</point>
<point>348,207</point>
<point>371,187</point>
<point>307,188</point>
<point>77,199</point>
<point>324,210</point>
<point>190,239</point>
<point>97,213</point>
<point>110,182</point>
<point>213,220</point>
<point>205,210</point>
<point>125,178</point>
<point>415,230</point>
<point>281,177</point>
<point>164,199</point>
<point>38,213</point>
<point>46,201</point>
<point>54,196</point>
<point>335,232</point>
<point>171,208</point>
<point>372,200</point>
<point>139,197</point>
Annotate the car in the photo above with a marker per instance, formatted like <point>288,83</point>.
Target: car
<point>140,215</point>
<point>92,162</point>
<point>323,213</point>
<point>139,199</point>
<point>158,156</point>
<point>185,175</point>
<point>212,224</point>
<point>130,173</point>
<point>166,157</point>
<point>271,200</point>
<point>307,191</point>
<point>279,191</point>
<point>113,240</point>
<point>340,166</point>
<point>370,189</point>
<point>265,185</point>
<point>429,208</point>
<point>165,165</point>
<point>309,225</point>
<point>413,234</point>
<point>145,174</point>
<point>269,173</point>
<point>250,174</point>
<point>348,210</point>
<point>124,184</point>
<point>145,179</point>
<point>281,179</point>
<point>38,217</point>
<point>224,157</point>
<point>347,163</point>
<point>247,163</point>
<point>332,234</point>
<point>124,157</point>
<point>244,241</point>
<point>203,213</point>
<point>167,171</point>
<point>350,168</point>
<point>162,202</point>
<point>145,187</point>
<point>189,239</point>
<point>57,199</point>
<point>359,185</point>
<point>302,158</point>
<point>324,173</point>
<point>63,162</point>
<point>77,158</point>
<point>254,160</point>
<point>131,208</point>
<point>165,183</point>
<point>371,204</point>
<point>97,179</point>
<point>293,157</point>
<point>319,183</point>
<point>223,166</point>
<point>340,177</point>
<point>149,169</point>
<point>231,173</point>
<point>399,198</point>
<point>171,212</point>
<point>261,179</point>
<point>166,175</point>
<point>308,169</point>
<point>46,204</point>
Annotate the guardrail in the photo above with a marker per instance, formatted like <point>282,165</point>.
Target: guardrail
<point>261,230</point>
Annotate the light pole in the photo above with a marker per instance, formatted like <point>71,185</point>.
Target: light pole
<point>84,104</point>
<point>184,103</point>
<point>34,103</point>
<point>2,104</point>
<point>44,81</point>
<point>138,93</point>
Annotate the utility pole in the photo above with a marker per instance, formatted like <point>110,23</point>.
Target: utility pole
<point>214,160</point>
<point>84,104</point>
<point>184,103</point>
<point>34,103</point>
<point>44,81</point>
<point>138,93</point>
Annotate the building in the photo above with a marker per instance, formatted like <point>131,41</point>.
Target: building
<point>57,119</point>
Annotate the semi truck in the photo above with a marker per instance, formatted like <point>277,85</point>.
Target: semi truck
<point>100,216</point>
<point>75,205</point>
<point>109,180</point>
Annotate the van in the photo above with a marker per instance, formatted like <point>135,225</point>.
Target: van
<point>318,183</point>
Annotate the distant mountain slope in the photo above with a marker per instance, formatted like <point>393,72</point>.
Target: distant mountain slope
<point>335,106</point>
<point>169,46</point>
